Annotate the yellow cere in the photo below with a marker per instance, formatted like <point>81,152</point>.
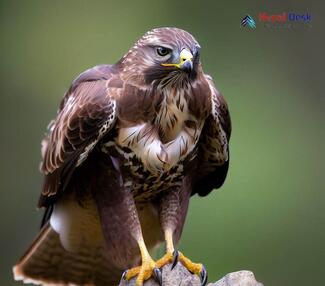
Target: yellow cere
<point>184,55</point>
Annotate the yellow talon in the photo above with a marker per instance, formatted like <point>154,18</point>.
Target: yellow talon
<point>166,259</point>
<point>195,268</point>
<point>145,271</point>
<point>132,272</point>
<point>173,256</point>
<point>169,256</point>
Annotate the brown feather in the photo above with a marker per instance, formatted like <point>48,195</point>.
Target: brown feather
<point>213,155</point>
<point>46,262</point>
<point>85,109</point>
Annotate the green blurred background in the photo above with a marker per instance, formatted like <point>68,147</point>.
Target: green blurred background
<point>269,215</point>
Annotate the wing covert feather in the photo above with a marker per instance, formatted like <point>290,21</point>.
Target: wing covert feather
<point>213,154</point>
<point>87,112</point>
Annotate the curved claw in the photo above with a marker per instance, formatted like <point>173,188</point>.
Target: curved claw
<point>203,276</point>
<point>123,277</point>
<point>157,275</point>
<point>175,258</point>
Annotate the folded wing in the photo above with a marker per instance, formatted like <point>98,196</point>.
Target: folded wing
<point>86,114</point>
<point>213,153</point>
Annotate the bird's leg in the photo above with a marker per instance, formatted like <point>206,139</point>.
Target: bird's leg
<point>169,256</point>
<point>121,225</point>
<point>148,266</point>
<point>146,270</point>
<point>173,256</point>
<point>173,208</point>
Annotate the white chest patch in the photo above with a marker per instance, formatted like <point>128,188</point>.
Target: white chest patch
<point>167,141</point>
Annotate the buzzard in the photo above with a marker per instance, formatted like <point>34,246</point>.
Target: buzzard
<point>131,143</point>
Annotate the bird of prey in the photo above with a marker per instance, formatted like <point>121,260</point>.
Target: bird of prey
<point>131,143</point>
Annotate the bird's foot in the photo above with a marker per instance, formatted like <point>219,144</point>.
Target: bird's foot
<point>166,259</point>
<point>195,268</point>
<point>144,272</point>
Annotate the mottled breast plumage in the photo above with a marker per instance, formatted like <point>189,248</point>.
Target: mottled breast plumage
<point>156,150</point>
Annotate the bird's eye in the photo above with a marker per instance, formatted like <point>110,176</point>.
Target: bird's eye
<point>161,51</point>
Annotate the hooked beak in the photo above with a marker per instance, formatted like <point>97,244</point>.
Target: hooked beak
<point>185,61</point>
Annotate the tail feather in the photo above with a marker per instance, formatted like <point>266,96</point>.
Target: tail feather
<point>46,262</point>
<point>69,250</point>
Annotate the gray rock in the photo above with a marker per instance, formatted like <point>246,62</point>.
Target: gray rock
<point>239,278</point>
<point>180,276</point>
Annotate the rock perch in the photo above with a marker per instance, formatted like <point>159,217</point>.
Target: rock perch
<point>181,277</point>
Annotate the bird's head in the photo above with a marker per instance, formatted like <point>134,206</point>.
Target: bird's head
<point>164,55</point>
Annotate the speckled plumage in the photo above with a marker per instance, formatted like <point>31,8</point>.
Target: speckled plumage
<point>129,146</point>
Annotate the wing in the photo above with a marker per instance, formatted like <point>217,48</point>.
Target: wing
<point>87,113</point>
<point>213,153</point>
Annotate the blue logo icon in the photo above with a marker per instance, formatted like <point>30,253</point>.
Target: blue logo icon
<point>248,21</point>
